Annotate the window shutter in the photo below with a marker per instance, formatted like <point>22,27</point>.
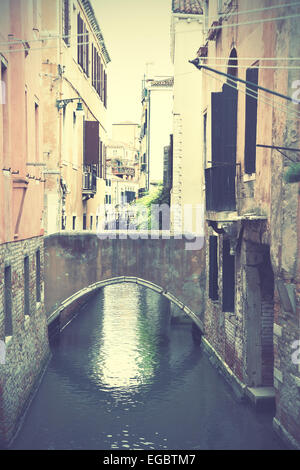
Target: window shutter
<point>101,80</point>
<point>229,123</point>
<point>216,127</point>
<point>213,268</point>
<point>251,122</point>
<point>105,89</point>
<point>87,54</point>
<point>98,73</point>
<point>78,38</point>
<point>228,278</point>
<point>91,142</point>
<point>101,159</point>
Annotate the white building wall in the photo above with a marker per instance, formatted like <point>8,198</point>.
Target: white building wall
<point>161,123</point>
<point>188,180</point>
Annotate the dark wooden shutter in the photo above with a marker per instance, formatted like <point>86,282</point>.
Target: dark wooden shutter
<point>228,277</point>
<point>87,54</point>
<point>105,89</point>
<point>229,123</point>
<point>251,122</point>
<point>78,38</point>
<point>213,268</point>
<point>66,21</point>
<point>98,73</point>
<point>101,81</point>
<point>101,159</point>
<point>216,127</point>
<point>91,142</point>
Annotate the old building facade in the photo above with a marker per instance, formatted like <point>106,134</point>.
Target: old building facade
<point>75,102</point>
<point>252,213</point>
<point>23,326</point>
<point>156,126</point>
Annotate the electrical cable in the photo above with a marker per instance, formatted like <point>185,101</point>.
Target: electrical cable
<point>249,92</point>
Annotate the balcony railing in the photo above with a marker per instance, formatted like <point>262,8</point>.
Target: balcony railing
<point>123,170</point>
<point>220,187</point>
<point>89,184</point>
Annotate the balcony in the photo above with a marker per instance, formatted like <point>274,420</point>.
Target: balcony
<point>220,188</point>
<point>89,185</point>
<point>123,170</point>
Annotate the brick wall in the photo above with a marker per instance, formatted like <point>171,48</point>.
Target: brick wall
<point>27,349</point>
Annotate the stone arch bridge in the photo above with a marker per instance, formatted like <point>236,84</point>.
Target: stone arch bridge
<point>77,264</point>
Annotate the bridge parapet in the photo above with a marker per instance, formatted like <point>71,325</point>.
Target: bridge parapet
<point>77,263</point>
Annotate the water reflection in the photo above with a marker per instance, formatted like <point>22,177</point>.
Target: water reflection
<point>123,377</point>
<point>127,354</point>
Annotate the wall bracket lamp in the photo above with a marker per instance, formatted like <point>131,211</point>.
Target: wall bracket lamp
<point>63,103</point>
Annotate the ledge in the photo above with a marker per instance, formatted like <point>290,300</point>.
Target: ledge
<point>261,397</point>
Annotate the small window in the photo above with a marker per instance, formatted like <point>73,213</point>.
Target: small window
<point>91,222</point>
<point>66,21</point>
<point>8,329</point>
<point>251,120</point>
<point>213,268</point>
<point>228,278</point>
<point>84,222</point>
<point>74,222</point>
<point>26,286</point>
<point>38,275</point>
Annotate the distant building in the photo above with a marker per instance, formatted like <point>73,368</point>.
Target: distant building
<point>188,178</point>
<point>156,126</point>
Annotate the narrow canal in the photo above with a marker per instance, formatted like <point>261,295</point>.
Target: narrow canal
<point>123,377</point>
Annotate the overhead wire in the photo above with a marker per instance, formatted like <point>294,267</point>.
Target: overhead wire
<point>253,94</point>
<point>244,23</point>
<point>65,36</point>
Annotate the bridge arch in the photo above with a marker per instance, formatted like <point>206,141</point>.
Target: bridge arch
<point>78,263</point>
<point>70,303</point>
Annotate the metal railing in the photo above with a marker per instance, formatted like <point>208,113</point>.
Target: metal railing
<point>220,187</point>
<point>89,183</point>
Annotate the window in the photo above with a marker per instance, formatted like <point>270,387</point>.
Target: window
<point>251,121</point>
<point>38,275</point>
<point>74,222</point>
<point>4,109</point>
<point>66,21</point>
<point>97,222</point>
<point>26,286</point>
<point>91,222</point>
<point>213,268</point>
<point>82,45</point>
<point>228,278</point>
<point>8,329</point>
<point>84,222</point>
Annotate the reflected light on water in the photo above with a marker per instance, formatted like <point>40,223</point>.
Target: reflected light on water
<point>123,360</point>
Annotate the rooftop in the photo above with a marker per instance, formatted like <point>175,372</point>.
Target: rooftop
<point>187,6</point>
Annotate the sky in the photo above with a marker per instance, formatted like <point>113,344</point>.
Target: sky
<point>136,32</point>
